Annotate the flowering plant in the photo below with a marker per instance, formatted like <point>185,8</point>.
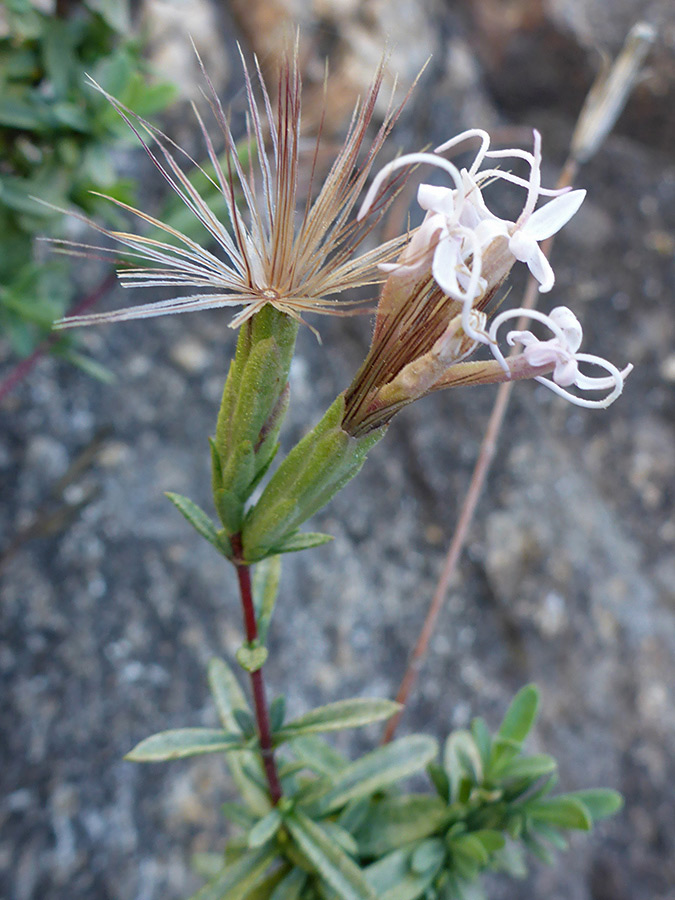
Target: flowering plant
<point>315,825</point>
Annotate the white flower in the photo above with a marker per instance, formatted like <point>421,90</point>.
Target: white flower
<point>543,224</point>
<point>533,225</point>
<point>561,351</point>
<point>459,227</point>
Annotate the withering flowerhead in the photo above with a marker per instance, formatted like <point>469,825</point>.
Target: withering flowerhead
<point>275,248</point>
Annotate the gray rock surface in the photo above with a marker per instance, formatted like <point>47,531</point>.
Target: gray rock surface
<point>112,607</point>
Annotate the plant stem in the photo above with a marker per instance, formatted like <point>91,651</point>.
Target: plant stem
<point>478,477</point>
<point>257,682</point>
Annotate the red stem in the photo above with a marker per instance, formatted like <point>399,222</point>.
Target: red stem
<point>257,682</point>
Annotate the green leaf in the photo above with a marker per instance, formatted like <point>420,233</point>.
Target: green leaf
<point>429,856</point>
<point>238,815</point>
<point>341,836</point>
<point>228,697</point>
<point>393,879</point>
<point>251,656</point>
<point>565,811</point>
<point>227,693</point>
<point>277,713</point>
<point>353,713</point>
<point>236,880</point>
<point>181,742</point>
<point>331,862</point>
<point>266,576</point>
<point>291,886</point>
<point>206,865</point>
<point>380,769</point>
<point>461,760</point>
<point>396,821</point>
<point>546,832</point>
<point>600,802</point>
<point>511,860</point>
<point>319,756</point>
<point>457,888</point>
<point>196,517</point>
<point>520,715</point>
<point>245,721</point>
<point>529,767</point>
<point>265,829</point>
<point>481,736</point>
<point>468,845</point>
<point>302,540</point>
<point>490,839</point>
<point>230,509</point>
<point>439,780</point>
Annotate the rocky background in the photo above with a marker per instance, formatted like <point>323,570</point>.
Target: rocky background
<point>112,607</point>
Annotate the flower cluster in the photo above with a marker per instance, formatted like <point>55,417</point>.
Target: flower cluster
<point>466,251</point>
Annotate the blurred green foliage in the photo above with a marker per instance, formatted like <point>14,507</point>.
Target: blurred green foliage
<point>56,138</point>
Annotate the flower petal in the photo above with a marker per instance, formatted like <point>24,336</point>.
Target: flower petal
<point>444,267</point>
<point>436,198</point>
<point>540,267</point>
<point>550,218</point>
<point>570,326</point>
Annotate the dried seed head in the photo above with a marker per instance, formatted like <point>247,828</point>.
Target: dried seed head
<point>267,251</point>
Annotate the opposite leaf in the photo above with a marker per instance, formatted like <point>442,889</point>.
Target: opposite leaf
<point>353,713</point>
<point>182,742</point>
<point>196,517</point>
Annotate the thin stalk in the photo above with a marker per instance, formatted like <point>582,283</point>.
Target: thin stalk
<point>257,682</point>
<point>468,508</point>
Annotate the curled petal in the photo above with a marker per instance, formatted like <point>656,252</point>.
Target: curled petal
<point>525,248</point>
<point>464,136</point>
<point>615,381</point>
<point>570,326</point>
<point>408,159</point>
<point>550,218</point>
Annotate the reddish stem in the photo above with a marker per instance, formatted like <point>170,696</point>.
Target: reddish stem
<point>20,371</point>
<point>257,682</point>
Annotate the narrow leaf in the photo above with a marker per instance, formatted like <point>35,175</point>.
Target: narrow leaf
<point>265,829</point>
<point>236,880</point>
<point>531,767</point>
<point>319,756</point>
<point>226,692</point>
<point>291,886</point>
<point>335,716</point>
<point>380,769</point>
<point>196,517</point>
<point>396,821</point>
<point>600,802</point>
<point>183,742</point>
<point>461,759</point>
<point>266,575</point>
<point>520,715</point>
<point>332,864</point>
<point>302,540</point>
<point>564,811</point>
<point>229,697</point>
<point>428,857</point>
<point>393,879</point>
